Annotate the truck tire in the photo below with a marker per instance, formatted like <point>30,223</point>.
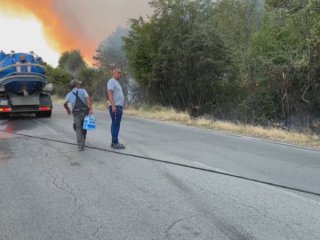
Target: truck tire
<point>4,116</point>
<point>44,114</point>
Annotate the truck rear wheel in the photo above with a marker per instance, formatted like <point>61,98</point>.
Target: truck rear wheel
<point>44,114</point>
<point>4,116</point>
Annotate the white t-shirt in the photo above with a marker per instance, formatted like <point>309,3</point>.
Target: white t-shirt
<point>115,87</point>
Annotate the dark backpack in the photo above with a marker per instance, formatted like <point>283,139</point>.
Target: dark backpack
<point>80,106</point>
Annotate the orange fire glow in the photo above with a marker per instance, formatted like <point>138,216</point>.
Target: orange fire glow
<point>60,36</point>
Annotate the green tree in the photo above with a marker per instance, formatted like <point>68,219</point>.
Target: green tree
<point>94,81</point>
<point>72,62</point>
<point>177,55</point>
<point>60,80</point>
<point>238,21</point>
<point>250,60</point>
<point>286,60</point>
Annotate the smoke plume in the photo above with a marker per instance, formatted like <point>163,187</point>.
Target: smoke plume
<point>78,24</point>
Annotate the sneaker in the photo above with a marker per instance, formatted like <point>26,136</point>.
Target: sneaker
<point>81,148</point>
<point>117,146</point>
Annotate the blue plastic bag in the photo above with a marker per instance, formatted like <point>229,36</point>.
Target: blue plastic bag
<point>89,123</point>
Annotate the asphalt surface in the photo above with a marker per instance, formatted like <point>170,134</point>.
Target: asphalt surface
<point>49,190</point>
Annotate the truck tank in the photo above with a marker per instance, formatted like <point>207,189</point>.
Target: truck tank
<point>24,86</point>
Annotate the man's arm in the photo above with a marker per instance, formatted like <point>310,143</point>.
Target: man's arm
<point>111,100</point>
<point>89,102</point>
<point>67,107</point>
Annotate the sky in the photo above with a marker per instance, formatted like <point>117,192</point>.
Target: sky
<point>49,27</point>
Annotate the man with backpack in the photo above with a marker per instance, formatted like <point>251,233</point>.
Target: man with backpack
<point>81,106</point>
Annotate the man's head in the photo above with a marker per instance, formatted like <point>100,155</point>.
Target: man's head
<point>75,83</point>
<point>116,73</point>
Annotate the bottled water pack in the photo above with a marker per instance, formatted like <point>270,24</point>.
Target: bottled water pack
<point>89,123</point>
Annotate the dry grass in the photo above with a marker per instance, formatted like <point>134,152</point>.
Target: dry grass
<point>102,106</point>
<point>169,114</point>
<point>57,99</point>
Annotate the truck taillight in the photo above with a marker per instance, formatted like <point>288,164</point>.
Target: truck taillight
<point>5,109</point>
<point>44,109</point>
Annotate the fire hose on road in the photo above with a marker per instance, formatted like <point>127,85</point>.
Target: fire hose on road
<point>172,163</point>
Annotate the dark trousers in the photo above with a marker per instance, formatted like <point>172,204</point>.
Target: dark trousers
<point>115,125</point>
<point>78,118</point>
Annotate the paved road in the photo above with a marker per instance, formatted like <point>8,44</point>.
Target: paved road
<point>49,190</point>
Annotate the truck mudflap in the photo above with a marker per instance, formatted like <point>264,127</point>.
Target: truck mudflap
<point>45,108</point>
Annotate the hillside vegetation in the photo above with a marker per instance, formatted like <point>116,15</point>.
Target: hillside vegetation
<point>248,61</point>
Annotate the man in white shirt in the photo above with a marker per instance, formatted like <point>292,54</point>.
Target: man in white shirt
<point>116,100</point>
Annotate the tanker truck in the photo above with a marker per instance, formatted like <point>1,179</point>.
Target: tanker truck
<point>24,86</point>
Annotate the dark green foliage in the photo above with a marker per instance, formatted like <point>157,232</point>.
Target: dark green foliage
<point>286,61</point>
<point>72,65</point>
<point>177,56</point>
<point>72,62</point>
<point>252,61</point>
<point>95,82</point>
<point>249,60</point>
<point>60,80</point>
